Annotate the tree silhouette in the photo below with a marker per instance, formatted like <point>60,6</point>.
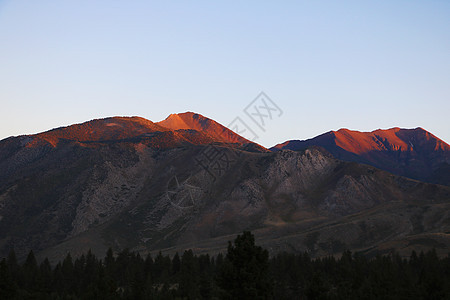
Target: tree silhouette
<point>242,274</point>
<point>245,271</point>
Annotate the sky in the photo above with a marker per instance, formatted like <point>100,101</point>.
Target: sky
<point>326,65</point>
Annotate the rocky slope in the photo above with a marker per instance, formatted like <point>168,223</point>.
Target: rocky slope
<point>190,120</point>
<point>139,185</point>
<point>210,128</point>
<point>415,153</point>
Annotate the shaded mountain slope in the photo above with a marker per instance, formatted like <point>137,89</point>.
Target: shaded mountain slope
<point>415,153</point>
<point>17,152</point>
<point>21,152</point>
<point>147,187</point>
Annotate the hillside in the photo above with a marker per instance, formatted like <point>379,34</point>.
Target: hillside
<point>131,183</point>
<point>415,153</point>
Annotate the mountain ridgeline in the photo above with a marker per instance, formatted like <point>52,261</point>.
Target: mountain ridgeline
<point>414,153</point>
<point>188,182</point>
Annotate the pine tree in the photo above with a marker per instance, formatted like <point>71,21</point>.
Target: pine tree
<point>68,275</point>
<point>176,264</point>
<point>8,287</point>
<point>189,276</point>
<point>45,270</point>
<point>30,273</point>
<point>245,272</point>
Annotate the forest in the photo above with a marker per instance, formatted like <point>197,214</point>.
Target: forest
<point>245,271</point>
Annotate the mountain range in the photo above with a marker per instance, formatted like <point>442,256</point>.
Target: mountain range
<point>414,153</point>
<point>189,182</point>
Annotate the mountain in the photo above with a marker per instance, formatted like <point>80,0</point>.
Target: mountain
<point>414,153</point>
<point>209,127</point>
<point>48,183</point>
<point>131,183</point>
<point>19,152</point>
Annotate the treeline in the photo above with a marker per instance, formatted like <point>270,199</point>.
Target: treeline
<point>245,272</point>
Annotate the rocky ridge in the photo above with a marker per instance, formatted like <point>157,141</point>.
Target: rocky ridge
<point>139,185</point>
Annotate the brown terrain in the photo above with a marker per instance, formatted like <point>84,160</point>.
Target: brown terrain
<point>179,184</point>
<point>415,153</point>
<point>211,128</point>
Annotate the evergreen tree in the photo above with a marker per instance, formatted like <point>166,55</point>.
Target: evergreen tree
<point>148,269</point>
<point>161,268</point>
<point>68,275</point>
<point>45,270</point>
<point>8,287</point>
<point>176,264</point>
<point>241,274</point>
<point>245,272</point>
<point>13,267</point>
<point>30,272</point>
<point>110,261</point>
<point>189,276</point>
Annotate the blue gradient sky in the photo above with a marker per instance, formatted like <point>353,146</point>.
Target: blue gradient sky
<point>328,64</point>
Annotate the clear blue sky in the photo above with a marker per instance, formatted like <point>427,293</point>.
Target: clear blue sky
<point>327,64</point>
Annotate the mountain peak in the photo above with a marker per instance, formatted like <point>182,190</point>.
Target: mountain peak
<point>415,153</point>
<point>195,121</point>
<point>181,121</point>
<point>176,129</point>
